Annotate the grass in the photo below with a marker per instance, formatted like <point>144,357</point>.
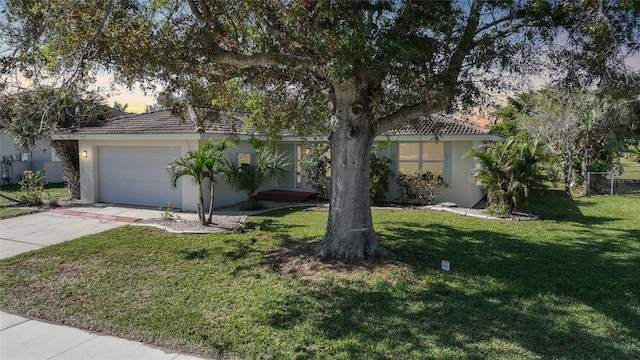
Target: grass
<point>564,287</point>
<point>631,169</point>
<point>10,208</point>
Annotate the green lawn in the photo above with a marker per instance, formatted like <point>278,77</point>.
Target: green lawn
<point>565,287</point>
<point>631,169</point>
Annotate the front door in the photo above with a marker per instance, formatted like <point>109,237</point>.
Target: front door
<point>288,178</point>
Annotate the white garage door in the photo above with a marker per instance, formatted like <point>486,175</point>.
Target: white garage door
<point>137,176</point>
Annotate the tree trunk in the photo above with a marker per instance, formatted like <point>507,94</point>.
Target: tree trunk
<point>567,182</point>
<point>584,168</point>
<point>211,198</point>
<point>201,213</point>
<point>68,151</point>
<point>349,233</point>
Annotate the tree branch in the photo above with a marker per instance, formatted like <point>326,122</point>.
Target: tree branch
<point>195,10</point>
<point>465,45</point>
<point>256,60</point>
<point>404,114</point>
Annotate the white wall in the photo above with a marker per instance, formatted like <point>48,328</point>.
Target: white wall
<point>89,181</point>
<point>463,190</point>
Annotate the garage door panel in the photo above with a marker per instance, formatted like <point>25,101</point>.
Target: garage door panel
<point>137,175</point>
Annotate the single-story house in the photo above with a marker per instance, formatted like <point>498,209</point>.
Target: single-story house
<point>124,159</point>
<point>41,156</point>
<point>15,162</point>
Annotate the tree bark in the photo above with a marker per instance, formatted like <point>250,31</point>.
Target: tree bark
<point>349,234</point>
<point>68,152</point>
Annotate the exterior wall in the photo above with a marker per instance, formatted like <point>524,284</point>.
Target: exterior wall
<point>15,162</point>
<point>225,194</point>
<point>463,190</point>
<point>458,169</point>
<point>89,182</point>
<point>457,172</point>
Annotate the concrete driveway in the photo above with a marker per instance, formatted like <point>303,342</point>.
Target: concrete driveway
<point>34,231</point>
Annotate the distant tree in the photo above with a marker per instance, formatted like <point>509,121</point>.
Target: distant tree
<point>584,130</point>
<point>164,100</point>
<point>36,114</point>
<point>204,163</point>
<point>353,69</point>
<point>120,106</point>
<point>508,115</point>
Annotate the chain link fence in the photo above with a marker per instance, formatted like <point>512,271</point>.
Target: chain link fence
<point>610,183</point>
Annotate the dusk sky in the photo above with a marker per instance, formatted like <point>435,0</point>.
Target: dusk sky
<point>137,100</point>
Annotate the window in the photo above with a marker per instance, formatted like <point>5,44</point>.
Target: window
<point>243,158</point>
<point>425,156</point>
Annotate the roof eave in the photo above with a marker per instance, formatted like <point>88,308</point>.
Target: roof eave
<point>194,136</point>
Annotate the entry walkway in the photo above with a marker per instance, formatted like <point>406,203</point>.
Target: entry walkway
<point>22,338</point>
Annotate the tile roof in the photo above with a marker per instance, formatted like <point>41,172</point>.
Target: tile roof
<point>164,122</point>
<point>438,124</point>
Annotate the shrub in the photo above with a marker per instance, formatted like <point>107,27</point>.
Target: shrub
<point>168,214</point>
<point>379,172</point>
<point>250,177</point>
<point>509,171</point>
<point>252,205</point>
<point>32,187</point>
<point>421,185</point>
<point>314,165</point>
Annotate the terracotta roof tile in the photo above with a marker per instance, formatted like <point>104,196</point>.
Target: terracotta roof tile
<point>437,124</point>
<point>163,122</point>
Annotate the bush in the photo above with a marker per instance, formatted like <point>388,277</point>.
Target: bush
<point>32,187</point>
<point>421,185</point>
<point>252,205</point>
<point>379,172</point>
<point>509,171</point>
<point>314,165</point>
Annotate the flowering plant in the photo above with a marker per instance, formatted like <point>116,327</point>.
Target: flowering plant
<point>423,185</point>
<point>168,214</point>
<point>32,187</point>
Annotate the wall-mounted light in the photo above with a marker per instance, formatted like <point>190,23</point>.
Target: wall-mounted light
<point>84,154</point>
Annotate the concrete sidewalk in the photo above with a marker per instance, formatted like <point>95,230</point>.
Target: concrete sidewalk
<point>22,338</point>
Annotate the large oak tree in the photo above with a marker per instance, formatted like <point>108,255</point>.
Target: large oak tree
<point>354,69</point>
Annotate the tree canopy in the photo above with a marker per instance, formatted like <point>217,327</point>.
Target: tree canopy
<point>361,67</point>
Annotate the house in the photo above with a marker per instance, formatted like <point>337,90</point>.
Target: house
<point>41,156</point>
<point>14,162</point>
<point>123,160</point>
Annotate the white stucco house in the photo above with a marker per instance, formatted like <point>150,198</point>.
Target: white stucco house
<point>124,159</point>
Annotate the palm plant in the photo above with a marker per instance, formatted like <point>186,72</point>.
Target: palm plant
<point>509,171</point>
<point>204,163</point>
<point>249,177</point>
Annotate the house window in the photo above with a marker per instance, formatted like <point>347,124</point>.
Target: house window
<point>423,156</point>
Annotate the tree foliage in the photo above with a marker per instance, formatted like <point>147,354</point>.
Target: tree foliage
<point>34,115</point>
<point>204,163</point>
<point>583,130</point>
<point>509,171</point>
<point>360,67</point>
